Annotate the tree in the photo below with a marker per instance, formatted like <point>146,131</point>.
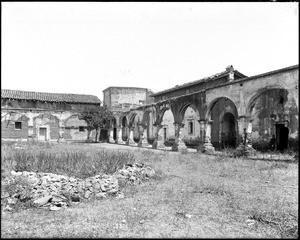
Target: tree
<point>96,118</point>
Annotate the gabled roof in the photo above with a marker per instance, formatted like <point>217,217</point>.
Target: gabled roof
<point>49,97</point>
<point>210,78</point>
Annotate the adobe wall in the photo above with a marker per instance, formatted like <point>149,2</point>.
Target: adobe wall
<point>55,117</point>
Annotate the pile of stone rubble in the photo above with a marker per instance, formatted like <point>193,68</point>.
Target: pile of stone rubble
<point>48,190</point>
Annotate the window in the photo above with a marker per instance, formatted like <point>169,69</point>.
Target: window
<point>18,125</point>
<point>81,129</point>
<point>191,128</point>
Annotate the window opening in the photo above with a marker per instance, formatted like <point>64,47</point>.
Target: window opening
<point>18,125</point>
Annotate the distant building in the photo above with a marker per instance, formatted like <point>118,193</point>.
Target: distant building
<point>121,99</point>
<point>44,116</point>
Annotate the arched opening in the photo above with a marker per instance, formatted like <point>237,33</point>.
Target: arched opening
<point>134,122</point>
<point>224,127</point>
<point>124,129</point>
<point>168,130</point>
<point>271,118</point>
<point>191,131</point>
<point>228,131</point>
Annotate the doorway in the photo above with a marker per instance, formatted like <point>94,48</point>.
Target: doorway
<point>42,133</point>
<point>282,137</point>
<point>228,131</point>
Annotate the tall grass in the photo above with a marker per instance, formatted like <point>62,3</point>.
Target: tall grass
<point>63,159</point>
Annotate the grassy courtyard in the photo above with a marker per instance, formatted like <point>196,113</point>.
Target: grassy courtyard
<point>191,195</point>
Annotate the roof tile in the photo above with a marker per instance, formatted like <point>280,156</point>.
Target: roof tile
<point>49,97</point>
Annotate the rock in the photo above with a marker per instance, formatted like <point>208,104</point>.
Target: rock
<point>54,208</point>
<point>4,194</point>
<point>102,187</point>
<point>120,195</point>
<point>16,173</point>
<point>75,198</point>
<point>97,186</point>
<point>87,194</point>
<point>187,215</point>
<point>43,200</point>
<point>100,195</point>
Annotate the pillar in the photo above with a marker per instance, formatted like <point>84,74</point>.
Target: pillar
<point>61,131</point>
<point>202,135</point>
<point>130,139</point>
<point>208,147</point>
<point>179,144</point>
<point>111,135</point>
<point>159,141</point>
<point>245,131</point>
<point>143,136</point>
<point>119,139</point>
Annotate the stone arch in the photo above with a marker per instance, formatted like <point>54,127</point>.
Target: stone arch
<point>269,110</point>
<point>223,114</point>
<point>134,121</point>
<point>125,129</point>
<point>167,120</point>
<point>259,92</point>
<point>189,116</point>
<point>213,102</point>
<point>46,126</point>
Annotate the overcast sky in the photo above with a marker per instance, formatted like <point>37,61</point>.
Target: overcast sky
<point>86,47</point>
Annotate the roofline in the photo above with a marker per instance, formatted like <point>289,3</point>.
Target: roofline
<point>49,93</point>
<point>258,76</point>
<point>125,88</point>
<point>270,72</point>
<point>238,80</point>
<point>187,85</point>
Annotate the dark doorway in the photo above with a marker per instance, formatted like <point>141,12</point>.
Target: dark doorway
<point>228,131</point>
<point>282,137</point>
<point>103,135</point>
<point>165,134</point>
<point>115,133</point>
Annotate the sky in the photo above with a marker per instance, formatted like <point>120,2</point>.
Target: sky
<point>86,47</point>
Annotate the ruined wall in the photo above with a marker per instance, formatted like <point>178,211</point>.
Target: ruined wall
<point>42,119</point>
<point>72,130</point>
<point>8,128</point>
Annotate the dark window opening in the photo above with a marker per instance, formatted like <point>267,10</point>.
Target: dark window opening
<point>191,128</point>
<point>81,129</point>
<point>18,125</point>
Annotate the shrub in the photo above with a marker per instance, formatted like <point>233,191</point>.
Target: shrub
<point>63,159</point>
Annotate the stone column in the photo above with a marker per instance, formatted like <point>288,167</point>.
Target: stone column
<point>143,136</point>
<point>119,139</point>
<point>245,140</point>
<point>202,135</point>
<point>61,131</point>
<point>130,138</point>
<point>159,141</point>
<point>179,145</point>
<point>208,147</point>
<point>111,135</point>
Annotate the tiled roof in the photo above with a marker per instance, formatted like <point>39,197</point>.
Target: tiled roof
<point>49,97</point>
<point>213,77</point>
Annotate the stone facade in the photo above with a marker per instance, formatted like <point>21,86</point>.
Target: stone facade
<point>44,116</point>
<point>224,110</point>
